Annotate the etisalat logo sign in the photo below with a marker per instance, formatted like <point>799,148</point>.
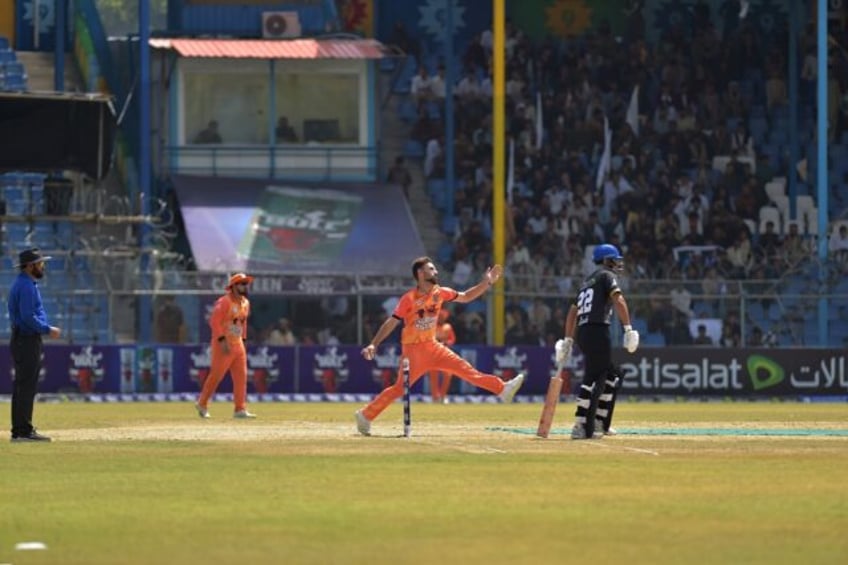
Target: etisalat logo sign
<point>757,373</point>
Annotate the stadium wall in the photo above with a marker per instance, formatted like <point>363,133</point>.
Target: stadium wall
<point>341,370</point>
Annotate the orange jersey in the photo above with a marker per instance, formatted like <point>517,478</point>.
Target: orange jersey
<point>420,313</point>
<point>229,318</point>
<point>445,334</point>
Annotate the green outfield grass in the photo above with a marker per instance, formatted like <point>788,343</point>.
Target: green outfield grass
<point>154,484</point>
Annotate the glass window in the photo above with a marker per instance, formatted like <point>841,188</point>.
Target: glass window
<point>226,108</point>
<point>317,107</point>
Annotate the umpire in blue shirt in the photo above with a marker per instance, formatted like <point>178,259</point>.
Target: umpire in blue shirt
<point>29,324</point>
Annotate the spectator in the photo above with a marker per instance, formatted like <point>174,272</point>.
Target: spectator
<point>776,94</point>
<point>756,337</point>
<point>540,315</point>
<point>433,157</point>
<point>284,131</point>
<point>769,242</point>
<point>678,332</point>
<point>281,334</point>
<point>795,249</point>
<point>742,142</point>
<point>210,134</point>
<point>702,338</point>
<point>740,257</point>
<point>713,287</point>
<point>469,87</point>
<point>170,323</point>
<point>729,337</point>
<point>399,174</point>
<point>420,86</point>
<point>838,246</point>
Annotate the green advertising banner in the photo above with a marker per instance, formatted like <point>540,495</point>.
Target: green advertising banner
<point>310,224</point>
<point>564,18</point>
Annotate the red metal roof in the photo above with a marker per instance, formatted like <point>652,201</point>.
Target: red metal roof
<point>274,48</point>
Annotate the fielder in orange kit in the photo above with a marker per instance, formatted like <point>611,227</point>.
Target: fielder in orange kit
<point>446,335</point>
<point>228,323</point>
<point>418,310</point>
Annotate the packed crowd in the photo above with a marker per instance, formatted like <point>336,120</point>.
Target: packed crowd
<point>677,211</point>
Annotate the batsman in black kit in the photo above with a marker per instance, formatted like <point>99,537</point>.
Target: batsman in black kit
<point>590,316</point>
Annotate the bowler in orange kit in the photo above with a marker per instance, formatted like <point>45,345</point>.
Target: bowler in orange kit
<point>228,323</point>
<point>418,310</point>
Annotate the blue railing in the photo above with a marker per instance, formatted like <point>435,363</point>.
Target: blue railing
<point>324,163</point>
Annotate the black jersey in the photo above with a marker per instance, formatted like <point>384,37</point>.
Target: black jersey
<point>593,301</point>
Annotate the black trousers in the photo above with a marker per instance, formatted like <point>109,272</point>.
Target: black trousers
<point>596,345</point>
<point>26,354</point>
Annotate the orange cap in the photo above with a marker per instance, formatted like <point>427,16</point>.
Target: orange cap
<point>239,278</point>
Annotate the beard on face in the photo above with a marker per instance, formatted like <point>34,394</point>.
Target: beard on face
<point>38,272</point>
<point>433,280</point>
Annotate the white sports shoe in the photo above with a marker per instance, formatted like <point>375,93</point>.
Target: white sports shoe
<point>202,412</point>
<point>511,387</point>
<point>363,424</point>
<point>578,432</point>
<point>611,432</point>
<point>243,415</point>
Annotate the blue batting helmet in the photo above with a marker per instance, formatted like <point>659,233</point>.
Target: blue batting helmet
<point>606,251</point>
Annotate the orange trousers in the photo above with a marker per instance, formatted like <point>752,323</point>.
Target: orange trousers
<point>236,364</point>
<point>425,357</point>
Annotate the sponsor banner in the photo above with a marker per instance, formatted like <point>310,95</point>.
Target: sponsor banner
<point>734,372</point>
<point>264,226</point>
<point>320,370</point>
<point>288,284</point>
<point>269,369</point>
<point>357,16</point>
<point>334,369</point>
<point>425,20</point>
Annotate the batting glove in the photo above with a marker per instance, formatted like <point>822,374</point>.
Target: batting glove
<point>631,339</point>
<point>563,349</point>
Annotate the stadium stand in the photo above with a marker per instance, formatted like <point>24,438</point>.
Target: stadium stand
<point>708,163</point>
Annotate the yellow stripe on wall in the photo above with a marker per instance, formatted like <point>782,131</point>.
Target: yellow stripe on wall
<point>7,20</point>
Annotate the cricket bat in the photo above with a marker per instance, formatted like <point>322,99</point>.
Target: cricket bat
<point>551,401</point>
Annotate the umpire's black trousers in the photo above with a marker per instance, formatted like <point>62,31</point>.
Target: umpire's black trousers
<point>26,354</point>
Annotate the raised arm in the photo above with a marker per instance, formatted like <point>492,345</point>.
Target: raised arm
<point>493,274</point>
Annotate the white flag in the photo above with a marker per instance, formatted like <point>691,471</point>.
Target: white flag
<point>632,118</point>
<point>539,128</point>
<point>510,176</point>
<point>606,156</point>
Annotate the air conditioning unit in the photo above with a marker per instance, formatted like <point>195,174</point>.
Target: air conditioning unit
<point>280,25</point>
